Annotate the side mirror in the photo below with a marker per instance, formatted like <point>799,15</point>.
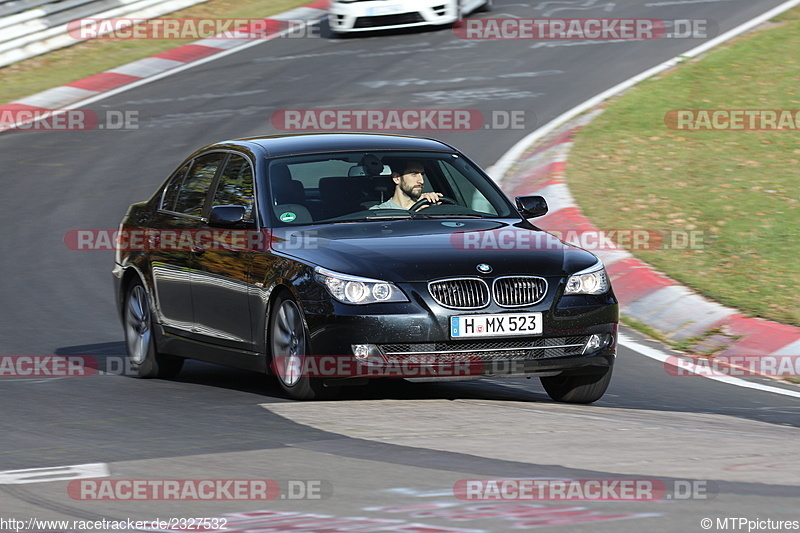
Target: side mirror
<point>531,206</point>
<point>228,216</point>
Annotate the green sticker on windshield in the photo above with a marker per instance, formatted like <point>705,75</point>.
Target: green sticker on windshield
<point>288,216</point>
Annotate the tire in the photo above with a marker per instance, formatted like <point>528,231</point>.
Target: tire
<point>583,388</point>
<point>140,343</point>
<point>288,343</point>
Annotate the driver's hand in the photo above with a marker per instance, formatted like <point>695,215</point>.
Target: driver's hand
<point>432,197</point>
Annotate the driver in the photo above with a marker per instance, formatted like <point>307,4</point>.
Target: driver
<point>409,177</point>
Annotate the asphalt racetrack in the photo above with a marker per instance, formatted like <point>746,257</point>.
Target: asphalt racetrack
<point>385,457</point>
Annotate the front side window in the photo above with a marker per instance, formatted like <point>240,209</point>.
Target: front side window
<point>466,191</point>
<point>193,192</point>
<point>236,184</point>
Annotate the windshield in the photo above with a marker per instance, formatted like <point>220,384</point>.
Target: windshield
<point>363,186</point>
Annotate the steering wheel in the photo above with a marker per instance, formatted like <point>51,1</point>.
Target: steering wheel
<point>424,201</point>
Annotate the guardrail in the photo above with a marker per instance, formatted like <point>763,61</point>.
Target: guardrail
<point>32,27</point>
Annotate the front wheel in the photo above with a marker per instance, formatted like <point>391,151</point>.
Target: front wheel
<point>289,346</point>
<point>583,388</point>
<point>139,341</point>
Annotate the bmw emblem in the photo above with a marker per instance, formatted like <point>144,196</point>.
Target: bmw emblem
<point>483,268</point>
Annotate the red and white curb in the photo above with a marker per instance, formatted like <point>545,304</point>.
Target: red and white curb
<point>645,294</point>
<point>38,106</point>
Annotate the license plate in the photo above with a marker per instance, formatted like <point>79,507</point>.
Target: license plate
<point>385,10</point>
<point>495,325</point>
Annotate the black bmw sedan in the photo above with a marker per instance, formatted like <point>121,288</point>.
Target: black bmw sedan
<point>333,259</point>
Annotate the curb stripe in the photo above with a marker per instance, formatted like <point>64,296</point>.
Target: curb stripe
<point>103,81</point>
<point>146,67</point>
<point>536,180</point>
<point>761,337</point>
<point>55,98</point>
<point>188,53</point>
<point>632,279</point>
<point>790,349</point>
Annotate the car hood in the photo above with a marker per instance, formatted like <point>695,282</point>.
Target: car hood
<point>423,250</point>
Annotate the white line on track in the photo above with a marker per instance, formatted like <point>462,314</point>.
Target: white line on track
<point>658,355</point>
<point>54,473</point>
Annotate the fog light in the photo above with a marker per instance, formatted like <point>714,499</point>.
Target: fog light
<point>362,352</point>
<point>594,343</point>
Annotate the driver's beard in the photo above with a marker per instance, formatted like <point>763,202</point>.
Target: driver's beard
<point>410,192</point>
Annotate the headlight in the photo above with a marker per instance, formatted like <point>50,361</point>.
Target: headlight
<point>354,290</point>
<point>593,280</point>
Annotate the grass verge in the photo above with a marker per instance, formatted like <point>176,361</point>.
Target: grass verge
<point>92,57</point>
<point>739,189</point>
<point>651,332</point>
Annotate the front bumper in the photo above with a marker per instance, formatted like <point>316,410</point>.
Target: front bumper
<point>386,14</point>
<point>412,340</point>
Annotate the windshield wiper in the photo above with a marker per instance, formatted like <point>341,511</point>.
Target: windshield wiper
<point>387,217</point>
<point>447,215</point>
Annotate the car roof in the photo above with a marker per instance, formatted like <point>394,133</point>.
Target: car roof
<point>309,143</point>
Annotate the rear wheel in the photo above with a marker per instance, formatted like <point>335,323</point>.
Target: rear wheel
<point>582,388</point>
<point>289,347</point>
<point>139,340</point>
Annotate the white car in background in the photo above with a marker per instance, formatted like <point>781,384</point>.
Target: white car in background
<point>347,16</point>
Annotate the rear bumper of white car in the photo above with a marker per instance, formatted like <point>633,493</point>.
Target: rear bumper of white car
<point>367,15</point>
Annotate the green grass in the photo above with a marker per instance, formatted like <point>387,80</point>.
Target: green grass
<point>740,189</point>
<point>92,57</point>
<point>641,327</point>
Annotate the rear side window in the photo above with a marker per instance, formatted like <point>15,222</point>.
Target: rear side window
<point>193,192</point>
<point>236,184</point>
